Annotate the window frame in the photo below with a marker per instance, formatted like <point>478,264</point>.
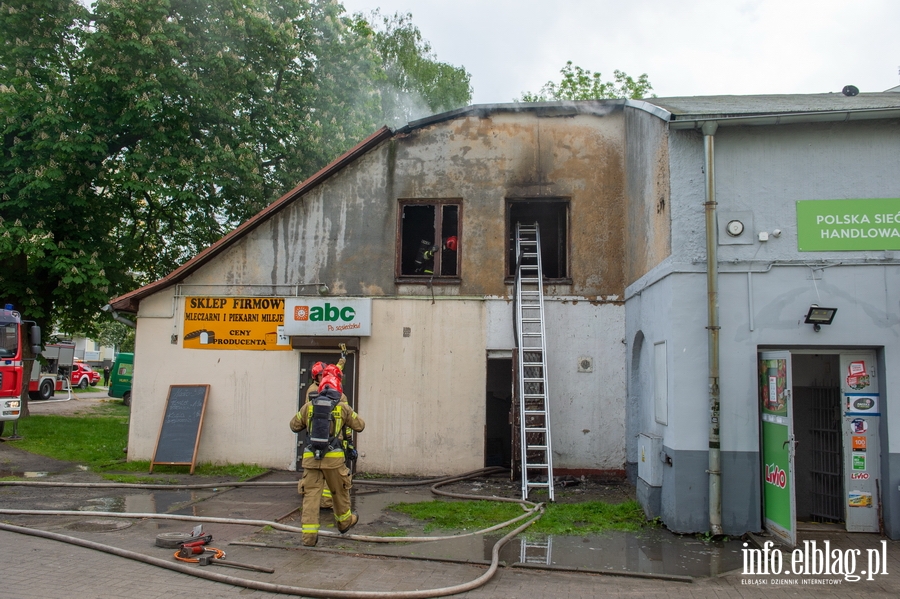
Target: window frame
<point>438,203</point>
<point>566,203</point>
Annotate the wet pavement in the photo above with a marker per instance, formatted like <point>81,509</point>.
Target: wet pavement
<point>649,563</point>
<point>652,551</point>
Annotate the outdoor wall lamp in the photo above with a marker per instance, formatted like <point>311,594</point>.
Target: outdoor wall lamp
<point>818,316</point>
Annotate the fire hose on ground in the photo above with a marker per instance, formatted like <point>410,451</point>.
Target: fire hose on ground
<point>532,510</point>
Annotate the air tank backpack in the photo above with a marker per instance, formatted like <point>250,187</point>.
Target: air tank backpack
<point>320,423</point>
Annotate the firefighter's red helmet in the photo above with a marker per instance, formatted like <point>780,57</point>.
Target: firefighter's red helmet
<point>329,380</point>
<point>317,369</point>
<point>334,371</point>
<point>452,243</point>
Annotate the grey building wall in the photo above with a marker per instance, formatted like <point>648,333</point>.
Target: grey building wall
<point>765,291</point>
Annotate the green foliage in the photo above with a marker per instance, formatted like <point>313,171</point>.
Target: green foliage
<point>112,333</point>
<point>558,518</point>
<point>138,132</point>
<point>414,84</point>
<point>580,84</point>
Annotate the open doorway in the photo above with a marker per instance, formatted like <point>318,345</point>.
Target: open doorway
<point>498,403</point>
<point>819,440</point>
<point>819,462</point>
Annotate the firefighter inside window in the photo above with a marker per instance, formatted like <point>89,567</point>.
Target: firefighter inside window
<point>423,252</point>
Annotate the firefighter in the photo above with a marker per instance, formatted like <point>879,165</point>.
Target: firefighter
<point>317,370</point>
<point>326,465</point>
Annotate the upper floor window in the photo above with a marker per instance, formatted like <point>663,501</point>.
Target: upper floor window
<point>552,217</point>
<point>430,238</point>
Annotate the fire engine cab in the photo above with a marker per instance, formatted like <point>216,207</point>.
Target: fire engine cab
<point>11,361</point>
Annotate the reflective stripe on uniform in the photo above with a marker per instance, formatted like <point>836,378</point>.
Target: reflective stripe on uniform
<point>343,517</point>
<point>309,529</point>
<point>331,454</point>
<point>326,492</point>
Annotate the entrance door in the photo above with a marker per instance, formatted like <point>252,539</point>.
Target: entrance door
<point>776,429</point>
<point>498,403</point>
<point>861,408</point>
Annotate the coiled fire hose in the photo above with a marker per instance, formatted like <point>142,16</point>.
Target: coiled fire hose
<point>534,510</point>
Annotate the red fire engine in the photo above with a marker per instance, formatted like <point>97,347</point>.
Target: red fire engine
<point>11,361</point>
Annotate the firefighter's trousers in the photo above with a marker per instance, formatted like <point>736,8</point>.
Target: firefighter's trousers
<point>312,484</point>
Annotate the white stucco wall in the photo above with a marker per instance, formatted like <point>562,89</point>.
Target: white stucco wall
<point>253,394</point>
<point>422,396</point>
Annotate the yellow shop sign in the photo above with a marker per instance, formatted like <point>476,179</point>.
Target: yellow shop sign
<point>254,323</point>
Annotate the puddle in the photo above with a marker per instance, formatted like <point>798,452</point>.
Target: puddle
<point>155,502</point>
<point>100,525</point>
<point>650,551</point>
<point>5,473</point>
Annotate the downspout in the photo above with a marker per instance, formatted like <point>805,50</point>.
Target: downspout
<point>712,292</point>
<point>115,316</point>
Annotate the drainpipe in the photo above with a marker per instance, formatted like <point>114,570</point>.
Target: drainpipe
<point>115,316</point>
<point>712,292</point>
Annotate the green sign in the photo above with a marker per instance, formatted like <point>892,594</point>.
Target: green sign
<point>848,225</point>
<point>776,481</point>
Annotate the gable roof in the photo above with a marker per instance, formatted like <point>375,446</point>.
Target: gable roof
<point>679,112</point>
<point>129,302</point>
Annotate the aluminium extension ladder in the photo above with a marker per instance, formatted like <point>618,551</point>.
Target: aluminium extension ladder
<point>534,414</point>
<point>535,551</point>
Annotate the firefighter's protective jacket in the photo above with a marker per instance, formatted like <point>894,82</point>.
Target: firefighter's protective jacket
<point>348,418</point>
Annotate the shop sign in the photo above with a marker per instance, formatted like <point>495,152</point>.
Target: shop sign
<point>848,225</point>
<point>859,461</point>
<point>861,403</point>
<point>859,442</point>
<point>333,316</point>
<point>253,323</point>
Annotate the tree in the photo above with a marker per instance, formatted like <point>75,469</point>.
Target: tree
<point>580,84</point>
<point>115,334</point>
<point>138,132</point>
<point>414,83</point>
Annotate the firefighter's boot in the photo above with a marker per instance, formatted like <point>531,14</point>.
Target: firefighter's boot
<point>310,540</point>
<point>348,523</point>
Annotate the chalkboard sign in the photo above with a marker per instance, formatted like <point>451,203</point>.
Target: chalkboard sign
<point>179,434</point>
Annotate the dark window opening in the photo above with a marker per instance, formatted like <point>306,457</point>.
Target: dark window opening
<point>552,219</point>
<point>429,240</point>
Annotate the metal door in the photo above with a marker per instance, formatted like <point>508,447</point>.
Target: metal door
<point>861,407</point>
<point>777,442</point>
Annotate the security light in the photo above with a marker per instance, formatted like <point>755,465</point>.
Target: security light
<point>818,316</point>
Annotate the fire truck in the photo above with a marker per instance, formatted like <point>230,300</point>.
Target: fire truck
<point>12,365</point>
<point>53,373</point>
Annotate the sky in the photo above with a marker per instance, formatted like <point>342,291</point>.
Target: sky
<point>686,47</point>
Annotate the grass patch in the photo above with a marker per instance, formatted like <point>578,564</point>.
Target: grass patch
<point>89,389</point>
<point>558,519</point>
<point>591,517</point>
<point>459,515</point>
<point>96,439</point>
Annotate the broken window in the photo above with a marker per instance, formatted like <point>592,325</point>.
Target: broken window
<point>552,217</point>
<point>429,240</point>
